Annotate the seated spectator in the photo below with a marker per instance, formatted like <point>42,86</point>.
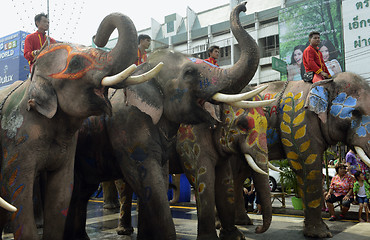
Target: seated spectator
<point>340,190</point>
<point>248,193</point>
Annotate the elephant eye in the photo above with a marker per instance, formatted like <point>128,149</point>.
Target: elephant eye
<point>77,63</point>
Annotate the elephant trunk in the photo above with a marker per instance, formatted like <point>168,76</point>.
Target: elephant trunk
<point>125,51</point>
<point>238,76</point>
<point>261,183</point>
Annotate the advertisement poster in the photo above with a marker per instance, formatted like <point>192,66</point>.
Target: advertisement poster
<point>356,21</point>
<point>13,65</point>
<point>295,24</point>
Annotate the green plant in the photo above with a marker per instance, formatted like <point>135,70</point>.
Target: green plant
<point>288,179</point>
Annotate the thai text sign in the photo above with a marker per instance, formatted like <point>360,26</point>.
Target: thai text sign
<point>356,21</point>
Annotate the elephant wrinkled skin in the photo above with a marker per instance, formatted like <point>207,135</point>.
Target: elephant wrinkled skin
<point>308,119</point>
<point>40,119</point>
<point>206,157</point>
<point>134,142</point>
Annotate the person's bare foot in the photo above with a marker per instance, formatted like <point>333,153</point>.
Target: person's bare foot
<point>361,220</point>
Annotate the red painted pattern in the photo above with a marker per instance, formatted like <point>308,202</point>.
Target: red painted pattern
<point>65,212</point>
<point>186,133</point>
<point>12,159</point>
<point>18,232</point>
<point>252,137</point>
<point>13,177</point>
<point>90,55</point>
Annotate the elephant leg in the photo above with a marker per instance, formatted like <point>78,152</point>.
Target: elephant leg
<point>314,226</point>
<point>110,195</point>
<point>77,213</point>
<point>58,194</point>
<point>39,193</point>
<point>151,189</point>
<point>125,197</point>
<point>224,195</point>
<point>176,192</point>
<point>23,220</point>
<point>3,220</point>
<point>204,185</point>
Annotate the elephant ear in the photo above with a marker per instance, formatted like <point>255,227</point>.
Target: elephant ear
<point>148,98</point>
<point>42,97</point>
<point>318,99</point>
<point>213,110</point>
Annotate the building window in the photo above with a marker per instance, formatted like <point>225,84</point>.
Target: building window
<point>170,27</point>
<point>225,53</point>
<point>269,46</point>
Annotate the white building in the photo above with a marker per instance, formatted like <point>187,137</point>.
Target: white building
<point>194,33</point>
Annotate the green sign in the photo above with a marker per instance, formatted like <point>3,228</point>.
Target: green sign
<point>279,65</point>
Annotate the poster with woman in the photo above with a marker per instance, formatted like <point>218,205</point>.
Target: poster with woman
<point>297,21</point>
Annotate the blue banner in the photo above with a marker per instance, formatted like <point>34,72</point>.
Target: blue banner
<point>12,45</point>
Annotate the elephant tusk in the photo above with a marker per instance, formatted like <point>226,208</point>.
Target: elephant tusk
<point>272,167</point>
<point>363,155</point>
<point>112,80</point>
<point>253,165</point>
<point>251,104</point>
<point>229,98</point>
<point>145,76</point>
<point>7,206</point>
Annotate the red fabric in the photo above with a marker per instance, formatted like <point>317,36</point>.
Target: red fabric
<point>212,60</point>
<point>317,77</point>
<point>313,61</point>
<point>141,58</point>
<point>34,41</point>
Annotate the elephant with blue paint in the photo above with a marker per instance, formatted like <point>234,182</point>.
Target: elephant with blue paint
<point>305,120</point>
<point>41,116</point>
<point>135,142</point>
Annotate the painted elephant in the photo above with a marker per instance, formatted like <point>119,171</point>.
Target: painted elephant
<point>306,119</point>
<point>40,118</point>
<point>206,159</point>
<point>134,142</point>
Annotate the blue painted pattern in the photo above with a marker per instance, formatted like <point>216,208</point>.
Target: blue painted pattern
<point>272,136</point>
<point>197,60</point>
<point>319,99</point>
<point>362,126</point>
<point>343,106</point>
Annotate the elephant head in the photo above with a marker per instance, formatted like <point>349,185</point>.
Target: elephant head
<point>343,107</point>
<point>244,134</point>
<point>71,77</point>
<point>187,83</point>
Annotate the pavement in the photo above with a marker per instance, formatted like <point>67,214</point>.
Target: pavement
<point>287,223</point>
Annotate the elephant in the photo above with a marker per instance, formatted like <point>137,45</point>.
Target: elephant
<point>41,116</point>
<point>307,118</point>
<point>133,143</point>
<point>207,155</point>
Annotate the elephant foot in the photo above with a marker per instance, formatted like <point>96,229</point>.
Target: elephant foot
<point>316,230</point>
<point>243,219</point>
<point>111,205</point>
<point>231,234</point>
<point>82,237</point>
<point>124,230</point>
<point>208,237</point>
